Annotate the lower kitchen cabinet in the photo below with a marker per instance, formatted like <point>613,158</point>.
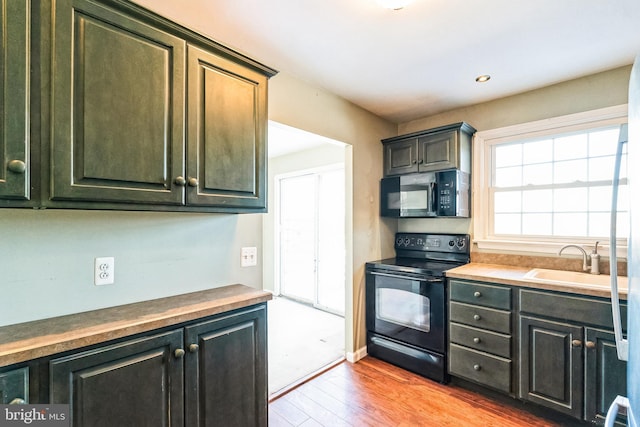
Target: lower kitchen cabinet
<point>552,365</point>
<point>568,359</point>
<point>226,380</point>
<point>480,342</point>
<point>14,386</point>
<point>206,373</point>
<point>132,383</point>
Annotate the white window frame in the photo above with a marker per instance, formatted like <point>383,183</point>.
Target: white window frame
<point>481,178</point>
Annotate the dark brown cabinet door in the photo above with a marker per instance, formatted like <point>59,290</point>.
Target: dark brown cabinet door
<point>551,364</point>
<point>14,386</point>
<point>15,168</point>
<point>131,384</point>
<point>401,157</point>
<point>606,376</point>
<point>117,108</point>
<point>438,151</point>
<point>225,371</point>
<point>226,133</point>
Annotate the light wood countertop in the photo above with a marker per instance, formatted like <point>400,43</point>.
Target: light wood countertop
<point>31,340</point>
<point>516,276</point>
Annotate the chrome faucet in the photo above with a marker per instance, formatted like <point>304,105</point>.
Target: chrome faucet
<point>594,266</point>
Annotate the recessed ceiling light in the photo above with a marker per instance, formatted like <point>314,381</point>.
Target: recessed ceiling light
<point>483,78</point>
<point>393,4</point>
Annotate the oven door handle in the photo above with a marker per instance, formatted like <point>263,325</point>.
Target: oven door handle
<point>418,277</point>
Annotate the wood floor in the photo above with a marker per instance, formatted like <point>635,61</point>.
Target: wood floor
<point>375,393</point>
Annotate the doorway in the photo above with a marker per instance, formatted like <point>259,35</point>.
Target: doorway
<point>305,255</point>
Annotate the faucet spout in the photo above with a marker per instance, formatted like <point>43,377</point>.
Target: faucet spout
<point>585,265</point>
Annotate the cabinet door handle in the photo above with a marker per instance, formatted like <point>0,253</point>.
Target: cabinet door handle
<point>193,182</point>
<point>193,348</point>
<point>180,181</point>
<point>477,367</point>
<point>415,162</point>
<point>477,294</point>
<point>590,345</point>
<point>576,343</point>
<point>18,401</point>
<point>476,340</point>
<point>17,166</point>
<point>476,317</point>
<point>178,353</point>
<point>421,161</point>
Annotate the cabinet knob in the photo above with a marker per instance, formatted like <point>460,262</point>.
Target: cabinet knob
<point>193,348</point>
<point>576,343</point>
<point>178,353</point>
<point>477,367</point>
<point>477,294</point>
<point>476,317</point>
<point>476,340</point>
<point>193,182</point>
<point>17,166</point>
<point>590,345</point>
<point>180,181</point>
<point>18,401</point>
<point>415,162</point>
<point>421,161</point>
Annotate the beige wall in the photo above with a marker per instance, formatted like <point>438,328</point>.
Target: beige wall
<point>294,103</point>
<point>588,93</point>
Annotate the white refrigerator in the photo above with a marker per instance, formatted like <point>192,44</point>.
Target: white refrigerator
<point>629,348</point>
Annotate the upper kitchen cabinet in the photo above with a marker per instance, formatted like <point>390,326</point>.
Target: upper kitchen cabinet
<point>147,115</point>
<point>226,132</point>
<point>445,147</point>
<point>15,162</point>
<point>118,107</point>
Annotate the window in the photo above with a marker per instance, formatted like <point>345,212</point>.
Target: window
<point>548,183</point>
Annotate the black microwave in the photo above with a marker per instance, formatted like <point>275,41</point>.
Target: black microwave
<point>426,195</point>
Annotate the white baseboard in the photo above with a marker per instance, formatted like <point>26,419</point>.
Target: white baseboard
<point>357,355</point>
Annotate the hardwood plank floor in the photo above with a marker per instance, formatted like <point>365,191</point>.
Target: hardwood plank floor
<point>375,393</point>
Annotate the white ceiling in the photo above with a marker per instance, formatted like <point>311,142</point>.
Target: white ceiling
<point>423,59</point>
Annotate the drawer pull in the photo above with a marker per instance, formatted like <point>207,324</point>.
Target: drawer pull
<point>576,343</point>
<point>476,317</point>
<point>477,294</point>
<point>476,340</point>
<point>477,367</point>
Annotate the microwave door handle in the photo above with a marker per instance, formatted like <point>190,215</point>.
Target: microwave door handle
<point>622,345</point>
<point>433,197</point>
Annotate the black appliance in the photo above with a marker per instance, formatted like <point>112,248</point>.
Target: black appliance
<point>406,302</point>
<point>426,194</point>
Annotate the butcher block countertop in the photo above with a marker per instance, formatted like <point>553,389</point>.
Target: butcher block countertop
<point>517,276</point>
<point>31,340</point>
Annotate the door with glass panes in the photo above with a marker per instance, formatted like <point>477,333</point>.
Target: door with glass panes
<point>312,241</point>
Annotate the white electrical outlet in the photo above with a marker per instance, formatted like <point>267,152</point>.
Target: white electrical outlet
<point>248,257</point>
<point>104,271</point>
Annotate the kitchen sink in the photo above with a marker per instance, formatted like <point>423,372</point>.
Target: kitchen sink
<point>563,277</point>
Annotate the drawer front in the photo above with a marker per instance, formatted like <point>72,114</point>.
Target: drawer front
<point>481,294</point>
<point>480,367</point>
<point>481,317</point>
<point>479,339</point>
<point>576,309</point>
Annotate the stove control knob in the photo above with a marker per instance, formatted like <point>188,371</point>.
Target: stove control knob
<point>460,243</point>
<point>399,241</point>
<point>407,241</point>
<point>451,243</point>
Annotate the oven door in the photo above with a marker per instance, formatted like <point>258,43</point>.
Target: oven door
<point>406,307</point>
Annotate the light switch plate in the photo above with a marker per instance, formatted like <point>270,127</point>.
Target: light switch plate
<point>248,257</point>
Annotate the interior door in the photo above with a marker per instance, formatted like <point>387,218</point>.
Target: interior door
<point>312,249</point>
